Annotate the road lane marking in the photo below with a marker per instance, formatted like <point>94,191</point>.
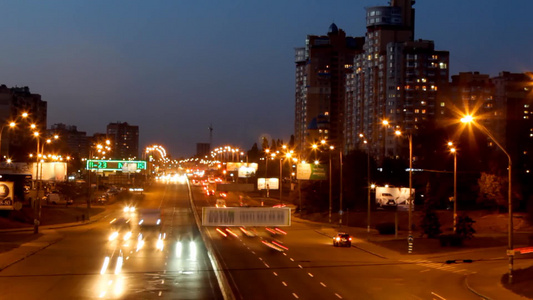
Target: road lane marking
<point>292,259</point>
<point>324,285</point>
<point>310,274</point>
<point>283,282</point>
<point>338,296</point>
<point>275,274</point>
<point>300,266</point>
<point>266,265</point>
<point>295,296</point>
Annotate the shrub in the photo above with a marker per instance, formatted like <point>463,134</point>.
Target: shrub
<point>465,227</point>
<point>454,240</point>
<point>386,228</point>
<point>430,224</point>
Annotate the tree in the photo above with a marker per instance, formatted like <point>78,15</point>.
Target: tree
<point>264,143</point>
<point>491,191</point>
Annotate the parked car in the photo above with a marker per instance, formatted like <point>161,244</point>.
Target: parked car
<point>55,198</point>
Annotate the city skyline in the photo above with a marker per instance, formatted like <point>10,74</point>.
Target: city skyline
<point>174,68</point>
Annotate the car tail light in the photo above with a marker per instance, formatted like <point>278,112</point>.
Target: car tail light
<point>350,239</point>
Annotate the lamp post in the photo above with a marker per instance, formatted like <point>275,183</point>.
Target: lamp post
<point>340,192</point>
<point>367,182</point>
<point>410,239</point>
<point>510,252</point>
<point>10,125</point>
<point>267,151</point>
<point>37,208</point>
<point>454,151</point>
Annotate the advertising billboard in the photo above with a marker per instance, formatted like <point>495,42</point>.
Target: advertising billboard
<point>235,166</point>
<point>246,172</point>
<point>246,216</point>
<point>50,171</point>
<point>394,198</point>
<point>6,195</point>
<point>311,172</point>
<point>273,183</point>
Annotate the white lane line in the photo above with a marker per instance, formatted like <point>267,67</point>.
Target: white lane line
<point>295,296</point>
<point>275,274</point>
<point>283,282</point>
<point>260,258</point>
<point>292,259</point>
<point>285,254</point>
<point>440,297</point>
<point>266,265</point>
<point>338,296</point>
<point>160,293</point>
<point>300,266</point>
<point>310,274</point>
<point>253,252</point>
<point>322,284</point>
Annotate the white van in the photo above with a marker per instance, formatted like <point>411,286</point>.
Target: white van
<point>54,198</point>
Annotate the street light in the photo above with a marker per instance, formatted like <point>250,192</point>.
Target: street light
<point>453,150</point>
<point>267,151</point>
<point>468,119</point>
<point>367,181</point>
<point>410,239</point>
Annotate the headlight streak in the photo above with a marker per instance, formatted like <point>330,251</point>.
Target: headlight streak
<point>118,267</point>
<point>192,250</point>
<point>179,249</point>
<point>105,265</point>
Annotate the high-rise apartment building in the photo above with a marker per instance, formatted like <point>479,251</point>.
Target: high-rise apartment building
<point>396,79</point>
<point>20,141</point>
<point>125,140</point>
<point>321,68</point>
<point>76,142</point>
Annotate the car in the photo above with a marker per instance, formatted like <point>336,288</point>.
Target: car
<point>342,239</point>
<point>120,229</point>
<point>220,203</point>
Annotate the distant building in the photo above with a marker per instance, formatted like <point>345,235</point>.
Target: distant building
<point>125,139</point>
<point>321,68</point>
<point>203,150</point>
<point>17,143</point>
<point>395,78</point>
<point>76,142</point>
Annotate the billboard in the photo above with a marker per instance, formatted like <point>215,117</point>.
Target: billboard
<point>246,172</point>
<point>49,171</point>
<point>235,166</point>
<point>311,172</point>
<point>273,183</point>
<point>394,198</point>
<point>6,195</point>
<point>246,216</point>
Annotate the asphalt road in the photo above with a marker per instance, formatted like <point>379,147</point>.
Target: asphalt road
<point>312,268</point>
<point>73,267</point>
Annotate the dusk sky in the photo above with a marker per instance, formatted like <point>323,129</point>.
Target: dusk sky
<point>175,67</point>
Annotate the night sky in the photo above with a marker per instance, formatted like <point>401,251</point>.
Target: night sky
<point>175,67</point>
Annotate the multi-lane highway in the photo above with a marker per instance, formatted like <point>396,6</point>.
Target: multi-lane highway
<point>84,263</point>
<point>312,268</point>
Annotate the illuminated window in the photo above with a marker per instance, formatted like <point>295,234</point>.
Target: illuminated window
<point>442,104</point>
<point>443,65</point>
<point>417,111</point>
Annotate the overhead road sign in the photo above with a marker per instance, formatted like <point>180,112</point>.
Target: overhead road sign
<point>116,165</point>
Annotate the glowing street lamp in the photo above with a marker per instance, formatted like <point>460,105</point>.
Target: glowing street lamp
<point>453,150</point>
<point>469,119</point>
